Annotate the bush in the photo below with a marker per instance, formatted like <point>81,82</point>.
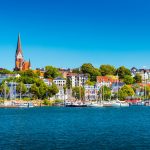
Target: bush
<point>47,102</point>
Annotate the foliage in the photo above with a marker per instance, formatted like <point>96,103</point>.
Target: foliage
<point>138,78</point>
<point>128,79</point>
<point>5,71</point>
<point>89,69</point>
<point>59,101</point>
<point>43,89</point>
<point>47,102</point>
<point>78,93</point>
<point>122,72</point>
<point>107,70</point>
<point>21,88</point>
<point>76,70</point>
<point>52,90</point>
<point>34,90</point>
<point>125,91</point>
<point>88,82</point>
<point>29,73</point>
<point>105,92</point>
<point>51,72</point>
<point>4,89</point>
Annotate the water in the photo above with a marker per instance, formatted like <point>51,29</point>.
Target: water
<point>75,128</point>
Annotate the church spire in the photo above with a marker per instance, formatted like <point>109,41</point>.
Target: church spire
<point>19,45</point>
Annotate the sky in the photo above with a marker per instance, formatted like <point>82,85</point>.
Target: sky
<point>68,33</point>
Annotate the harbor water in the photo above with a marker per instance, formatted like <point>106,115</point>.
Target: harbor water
<point>52,128</point>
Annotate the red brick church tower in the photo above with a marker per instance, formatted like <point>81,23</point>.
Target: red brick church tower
<point>20,63</point>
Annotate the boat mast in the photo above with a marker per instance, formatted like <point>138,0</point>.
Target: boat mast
<point>117,86</point>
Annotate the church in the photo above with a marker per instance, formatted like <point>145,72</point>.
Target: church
<point>20,63</point>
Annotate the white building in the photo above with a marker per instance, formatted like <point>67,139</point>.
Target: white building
<point>60,82</point>
<point>91,92</point>
<point>61,95</point>
<point>77,79</point>
<point>47,82</point>
<point>6,76</point>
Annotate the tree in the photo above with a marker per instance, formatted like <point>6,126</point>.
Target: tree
<point>107,70</point>
<point>21,88</point>
<point>29,73</point>
<point>78,93</point>
<point>34,90</point>
<point>4,89</point>
<point>125,91</point>
<point>138,78</point>
<point>5,71</point>
<point>89,69</point>
<point>122,71</point>
<point>128,79</point>
<point>43,89</point>
<point>105,92</point>
<point>52,90</point>
<point>51,72</point>
<point>88,82</point>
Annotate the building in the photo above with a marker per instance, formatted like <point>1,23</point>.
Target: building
<point>64,72</point>
<point>106,80</point>
<point>6,76</point>
<point>20,63</point>
<point>77,79</point>
<point>116,86</point>
<point>60,82</point>
<point>91,92</point>
<point>48,82</point>
<point>61,94</point>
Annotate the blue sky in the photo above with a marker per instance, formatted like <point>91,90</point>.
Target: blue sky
<point>68,33</point>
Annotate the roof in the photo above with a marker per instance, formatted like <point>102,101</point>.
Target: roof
<point>59,78</point>
<point>106,79</point>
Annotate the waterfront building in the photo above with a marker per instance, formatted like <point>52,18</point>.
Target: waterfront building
<point>77,79</point>
<point>48,82</point>
<point>20,63</point>
<point>61,94</point>
<point>60,82</point>
<point>91,92</point>
<point>6,76</point>
<point>116,86</point>
<point>106,80</point>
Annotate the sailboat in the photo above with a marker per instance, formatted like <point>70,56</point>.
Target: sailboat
<point>117,102</point>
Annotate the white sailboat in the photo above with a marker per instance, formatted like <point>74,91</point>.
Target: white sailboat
<point>117,102</point>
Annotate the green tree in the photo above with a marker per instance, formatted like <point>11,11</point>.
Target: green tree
<point>43,89</point>
<point>29,73</point>
<point>78,93</point>
<point>4,89</point>
<point>34,90</point>
<point>52,90</point>
<point>125,91</point>
<point>89,69</point>
<point>21,88</point>
<point>88,82</point>
<point>51,72</point>
<point>76,70</point>
<point>138,78</point>
<point>5,71</point>
<point>128,79</point>
<point>107,70</point>
<point>105,92</point>
<point>122,72</point>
